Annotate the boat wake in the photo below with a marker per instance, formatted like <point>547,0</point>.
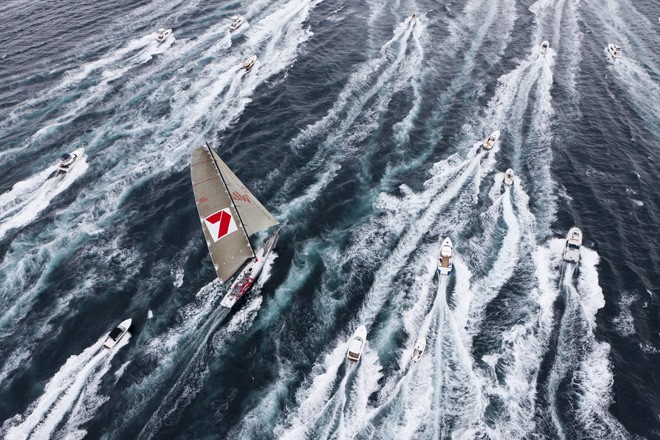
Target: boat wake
<point>27,199</point>
<point>581,369</point>
<point>67,397</point>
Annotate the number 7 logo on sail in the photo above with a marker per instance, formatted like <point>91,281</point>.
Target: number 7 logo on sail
<point>220,223</point>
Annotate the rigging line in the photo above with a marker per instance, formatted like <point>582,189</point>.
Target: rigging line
<point>240,220</point>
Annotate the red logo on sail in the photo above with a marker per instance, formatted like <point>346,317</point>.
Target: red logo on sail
<point>220,223</point>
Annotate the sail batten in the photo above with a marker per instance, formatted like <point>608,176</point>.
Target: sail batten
<point>227,222</point>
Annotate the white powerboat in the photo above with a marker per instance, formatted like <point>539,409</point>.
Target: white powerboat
<point>117,333</point>
<point>163,34</point>
<point>247,65</point>
<point>614,51</point>
<point>508,177</point>
<point>68,159</point>
<point>445,264</point>
<point>236,22</point>
<point>357,343</point>
<point>246,278</point>
<point>419,349</point>
<point>573,243</point>
<point>490,141</point>
<point>544,47</point>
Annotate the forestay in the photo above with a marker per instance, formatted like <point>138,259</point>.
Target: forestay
<point>218,195</point>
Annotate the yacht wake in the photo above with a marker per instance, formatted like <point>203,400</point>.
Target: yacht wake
<point>27,199</point>
<point>65,395</point>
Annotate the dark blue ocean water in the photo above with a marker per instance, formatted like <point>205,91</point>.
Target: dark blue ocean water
<point>359,128</point>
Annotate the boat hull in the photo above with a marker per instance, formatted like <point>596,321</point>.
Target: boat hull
<point>117,334</point>
<point>571,252</point>
<point>445,263</point>
<point>249,275</point>
<point>66,167</point>
<point>418,351</point>
<point>357,344</point>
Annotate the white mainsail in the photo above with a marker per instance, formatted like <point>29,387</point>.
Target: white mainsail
<point>229,213</point>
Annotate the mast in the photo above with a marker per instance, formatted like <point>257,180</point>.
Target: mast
<point>231,199</point>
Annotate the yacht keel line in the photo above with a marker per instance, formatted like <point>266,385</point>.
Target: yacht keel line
<point>230,215</point>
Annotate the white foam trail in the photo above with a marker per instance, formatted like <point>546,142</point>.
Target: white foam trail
<point>580,354</point>
<point>314,398</point>
<point>27,199</point>
<point>624,25</point>
<point>193,115</point>
<point>187,384</point>
<point>502,269</point>
<point>79,375</point>
<point>379,78</point>
<point>644,91</point>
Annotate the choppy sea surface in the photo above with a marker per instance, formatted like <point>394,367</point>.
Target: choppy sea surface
<point>359,128</point>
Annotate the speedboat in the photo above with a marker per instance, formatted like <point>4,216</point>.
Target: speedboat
<point>247,65</point>
<point>356,346</point>
<point>163,34</point>
<point>115,335</point>
<point>419,349</point>
<point>245,280</point>
<point>508,177</point>
<point>491,140</point>
<point>445,264</point>
<point>67,160</point>
<point>236,22</point>
<point>413,16</point>
<point>544,47</point>
<point>614,51</point>
<point>573,243</point>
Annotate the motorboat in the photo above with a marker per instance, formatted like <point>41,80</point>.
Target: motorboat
<point>117,333</point>
<point>163,34</point>
<point>67,160</point>
<point>490,141</point>
<point>544,47</point>
<point>236,22</point>
<point>357,343</point>
<point>419,349</point>
<point>508,177</point>
<point>247,65</point>
<point>445,264</point>
<point>250,273</point>
<point>413,16</point>
<point>614,51</point>
<point>573,243</point>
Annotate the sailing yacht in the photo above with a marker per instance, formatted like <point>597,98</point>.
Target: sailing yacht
<point>230,215</point>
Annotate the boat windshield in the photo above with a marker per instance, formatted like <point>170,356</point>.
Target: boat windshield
<point>356,346</point>
<point>115,333</point>
<point>573,246</point>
